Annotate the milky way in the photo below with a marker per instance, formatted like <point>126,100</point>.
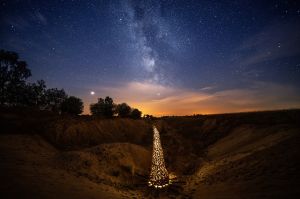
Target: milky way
<point>164,57</point>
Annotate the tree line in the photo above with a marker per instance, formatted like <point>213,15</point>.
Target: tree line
<point>106,108</point>
<point>16,91</point>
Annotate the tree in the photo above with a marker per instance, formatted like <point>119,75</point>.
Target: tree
<point>54,98</point>
<point>34,94</point>
<point>15,91</point>
<point>109,107</point>
<point>136,114</point>
<point>13,74</point>
<point>147,116</point>
<point>123,110</point>
<point>97,108</point>
<point>72,105</point>
<point>104,107</point>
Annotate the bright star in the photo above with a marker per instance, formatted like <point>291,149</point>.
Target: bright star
<point>92,93</point>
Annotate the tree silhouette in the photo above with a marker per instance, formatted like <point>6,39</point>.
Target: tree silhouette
<point>72,105</point>
<point>54,98</point>
<point>104,107</point>
<point>97,109</point>
<point>136,114</point>
<point>109,107</point>
<point>14,91</point>
<point>34,94</point>
<point>13,74</point>
<point>147,116</point>
<point>123,110</point>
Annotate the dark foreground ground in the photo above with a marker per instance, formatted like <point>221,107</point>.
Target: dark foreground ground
<point>244,155</point>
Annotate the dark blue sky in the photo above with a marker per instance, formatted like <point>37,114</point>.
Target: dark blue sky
<point>164,57</point>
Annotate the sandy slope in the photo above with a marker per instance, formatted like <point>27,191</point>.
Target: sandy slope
<point>251,155</point>
<point>250,163</point>
<point>28,170</point>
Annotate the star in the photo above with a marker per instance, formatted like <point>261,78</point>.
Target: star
<point>160,44</point>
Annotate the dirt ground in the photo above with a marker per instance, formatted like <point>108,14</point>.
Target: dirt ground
<point>252,155</point>
<point>28,170</point>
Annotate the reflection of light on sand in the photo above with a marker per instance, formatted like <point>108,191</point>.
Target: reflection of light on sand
<point>172,176</point>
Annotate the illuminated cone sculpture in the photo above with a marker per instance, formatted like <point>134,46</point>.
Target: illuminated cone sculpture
<point>159,176</point>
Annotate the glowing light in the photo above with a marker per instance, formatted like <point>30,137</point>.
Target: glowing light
<point>92,93</point>
<point>159,176</point>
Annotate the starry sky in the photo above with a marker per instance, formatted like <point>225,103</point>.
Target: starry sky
<point>163,57</point>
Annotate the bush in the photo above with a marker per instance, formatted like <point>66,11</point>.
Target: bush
<point>136,114</point>
<point>123,110</point>
<point>72,105</point>
<point>104,107</point>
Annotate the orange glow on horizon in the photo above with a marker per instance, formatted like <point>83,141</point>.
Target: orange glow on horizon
<point>181,102</point>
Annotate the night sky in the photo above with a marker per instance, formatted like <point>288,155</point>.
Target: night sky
<point>163,57</point>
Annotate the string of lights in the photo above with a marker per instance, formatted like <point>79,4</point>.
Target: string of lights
<point>159,176</point>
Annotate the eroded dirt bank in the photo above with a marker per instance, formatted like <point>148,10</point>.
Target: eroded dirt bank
<point>247,155</point>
